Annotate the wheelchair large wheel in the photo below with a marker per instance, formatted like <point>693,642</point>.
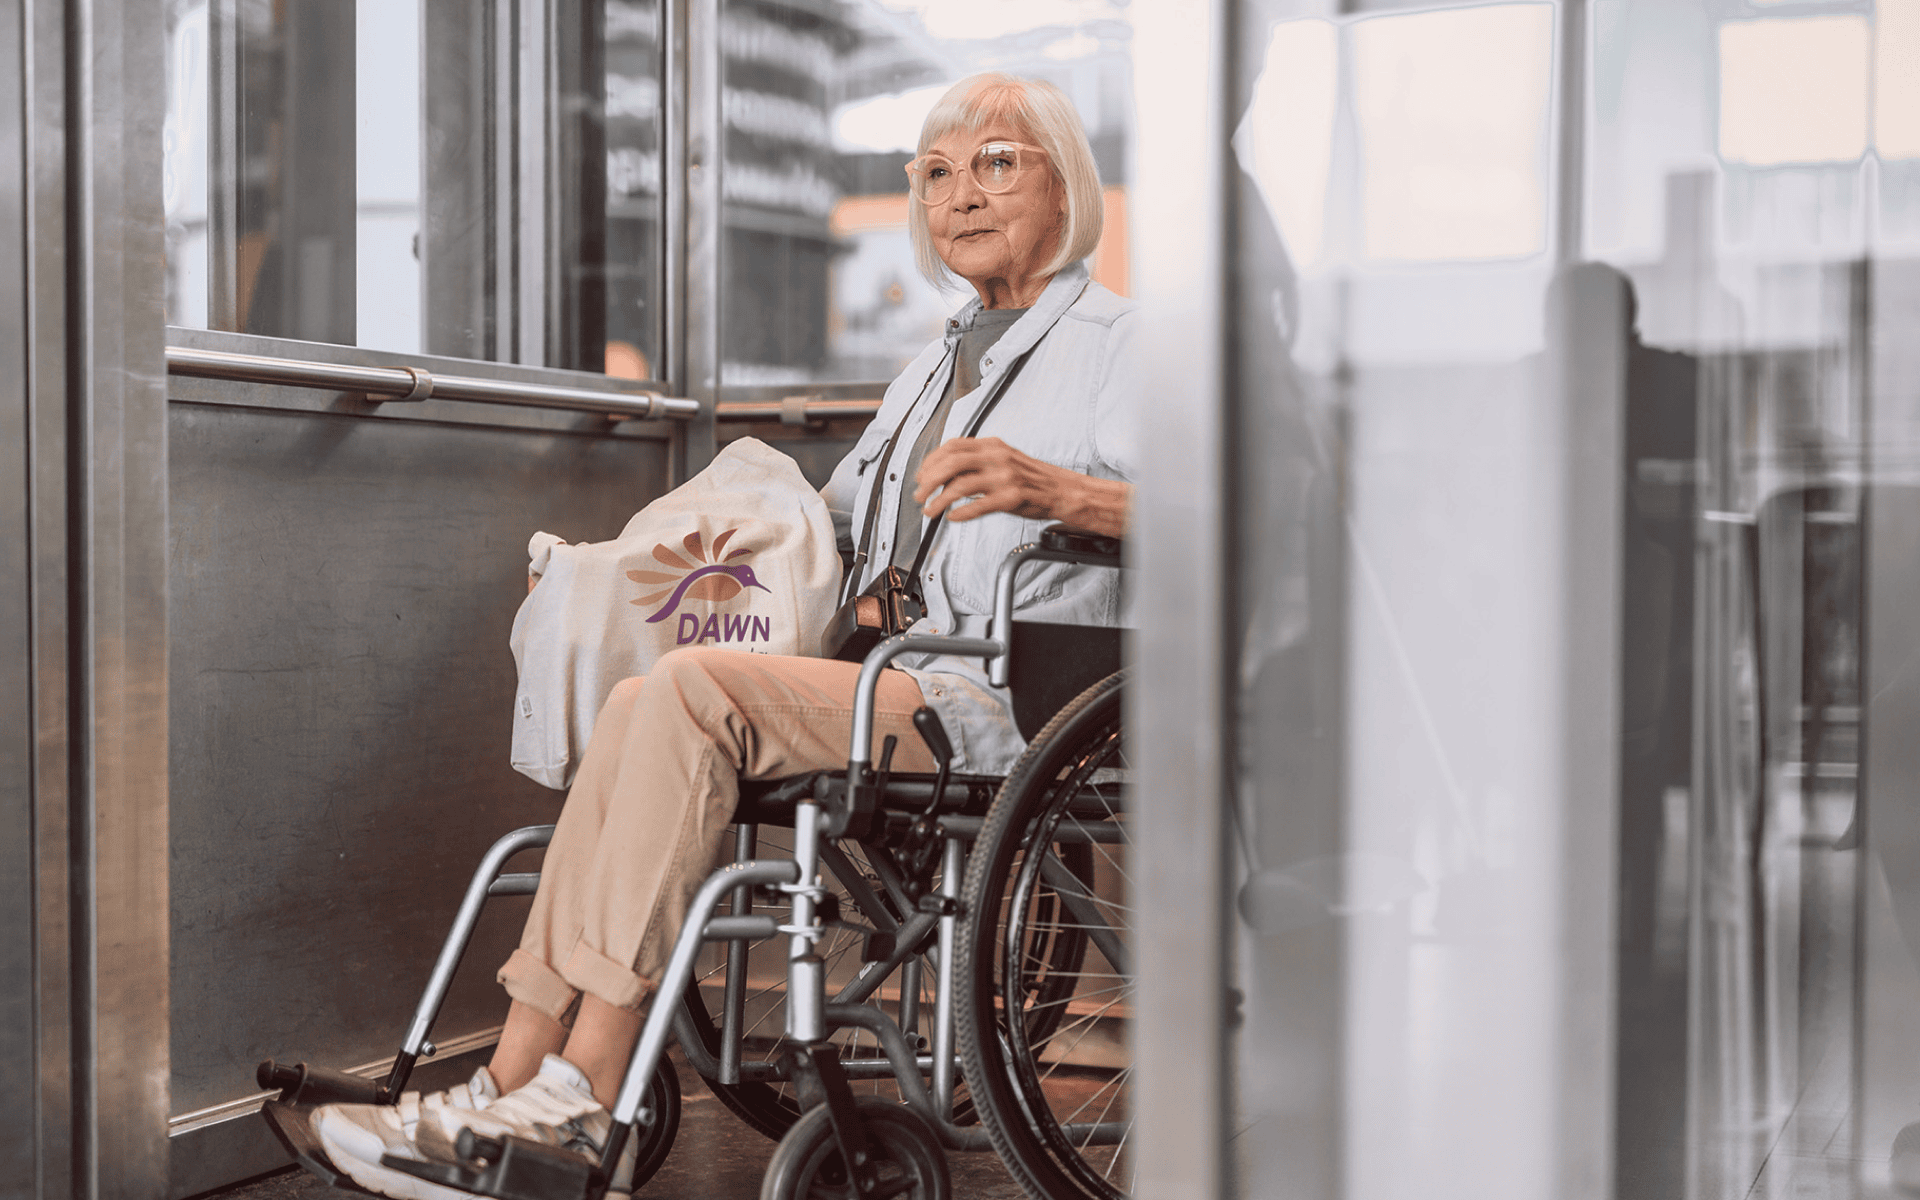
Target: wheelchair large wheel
<point>906,1156</point>
<point>1041,1044</point>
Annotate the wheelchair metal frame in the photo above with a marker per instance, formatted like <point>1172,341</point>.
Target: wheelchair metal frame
<point>810,1017</point>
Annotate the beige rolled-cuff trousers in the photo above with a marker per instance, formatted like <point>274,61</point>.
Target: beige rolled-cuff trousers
<point>645,822</point>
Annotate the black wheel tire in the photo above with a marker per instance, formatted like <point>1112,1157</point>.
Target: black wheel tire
<point>1018,1118</point>
<point>655,1138</point>
<point>806,1165</point>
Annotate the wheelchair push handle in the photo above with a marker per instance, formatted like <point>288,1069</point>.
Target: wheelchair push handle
<point>1095,547</point>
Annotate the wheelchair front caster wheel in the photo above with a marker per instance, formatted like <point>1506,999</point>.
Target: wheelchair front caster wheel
<point>656,1137</point>
<point>907,1159</point>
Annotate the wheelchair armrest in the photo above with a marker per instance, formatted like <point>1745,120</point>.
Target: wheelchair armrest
<point>1094,549</point>
<point>1058,543</point>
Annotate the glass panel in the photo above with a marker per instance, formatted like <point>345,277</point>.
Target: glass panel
<point>823,107</point>
<point>633,278</point>
<point>471,178</point>
<point>185,155</point>
<point>1452,112</point>
<point>1439,395</point>
<point>1729,185</point>
<point>387,175</point>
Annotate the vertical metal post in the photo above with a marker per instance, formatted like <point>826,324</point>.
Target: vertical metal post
<point>910,1000</point>
<point>35,996</point>
<point>1588,346</point>
<point>536,300</point>
<point>113,402</point>
<point>503,132</point>
<point>806,974</point>
<point>734,1003</point>
<point>951,869</point>
<point>1586,403</point>
<point>672,334</point>
<point>223,164</point>
<point>695,361</point>
<point>1178,222</point>
<point>577,337</point>
<point>1570,106</point>
<point>460,177</point>
<point>281,183</point>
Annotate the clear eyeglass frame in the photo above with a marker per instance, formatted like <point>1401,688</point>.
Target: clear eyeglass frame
<point>997,167</point>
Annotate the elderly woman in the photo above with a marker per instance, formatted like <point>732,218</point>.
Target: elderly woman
<point>1008,200</point>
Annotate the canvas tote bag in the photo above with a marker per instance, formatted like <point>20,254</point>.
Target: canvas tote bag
<point>741,556</point>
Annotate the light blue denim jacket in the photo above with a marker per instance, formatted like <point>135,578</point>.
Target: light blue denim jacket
<point>1073,405</point>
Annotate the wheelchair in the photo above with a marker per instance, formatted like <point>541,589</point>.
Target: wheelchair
<point>956,968</point>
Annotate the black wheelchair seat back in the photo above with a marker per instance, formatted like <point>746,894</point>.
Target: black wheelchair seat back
<point>1048,665</point>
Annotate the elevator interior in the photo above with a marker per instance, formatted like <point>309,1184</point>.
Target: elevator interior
<point>1528,582</point>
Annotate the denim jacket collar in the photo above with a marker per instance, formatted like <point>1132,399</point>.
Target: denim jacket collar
<point>1055,299</point>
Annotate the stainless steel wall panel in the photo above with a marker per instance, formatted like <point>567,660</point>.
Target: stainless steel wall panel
<point>343,592</point>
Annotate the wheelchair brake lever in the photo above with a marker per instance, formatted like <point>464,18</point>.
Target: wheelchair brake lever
<point>934,734</point>
<point>885,769</point>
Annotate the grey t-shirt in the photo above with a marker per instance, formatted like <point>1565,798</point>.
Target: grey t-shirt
<point>988,325</point>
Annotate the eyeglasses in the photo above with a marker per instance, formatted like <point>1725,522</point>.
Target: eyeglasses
<point>996,167</point>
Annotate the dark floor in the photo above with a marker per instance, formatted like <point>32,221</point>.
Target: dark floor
<point>713,1156</point>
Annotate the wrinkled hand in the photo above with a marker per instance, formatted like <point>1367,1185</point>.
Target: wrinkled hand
<point>991,476</point>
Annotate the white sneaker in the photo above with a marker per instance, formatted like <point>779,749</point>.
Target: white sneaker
<point>356,1135</point>
<point>556,1108</point>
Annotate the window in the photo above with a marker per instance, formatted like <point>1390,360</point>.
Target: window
<point>476,179</point>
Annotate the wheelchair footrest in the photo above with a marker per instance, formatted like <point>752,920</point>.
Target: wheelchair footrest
<point>295,1131</point>
<point>509,1169</point>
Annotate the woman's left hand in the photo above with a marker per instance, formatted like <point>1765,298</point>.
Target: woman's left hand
<point>992,476</point>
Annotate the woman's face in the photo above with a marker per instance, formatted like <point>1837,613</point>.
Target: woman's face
<point>1001,241</point>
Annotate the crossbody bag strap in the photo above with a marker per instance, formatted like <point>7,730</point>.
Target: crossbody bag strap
<point>973,427</point>
<point>860,555</point>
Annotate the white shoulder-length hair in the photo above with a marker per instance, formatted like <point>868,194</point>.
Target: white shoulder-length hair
<point>1048,119</point>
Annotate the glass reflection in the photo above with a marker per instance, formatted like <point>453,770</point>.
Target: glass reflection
<point>823,106</point>
<point>1729,259</point>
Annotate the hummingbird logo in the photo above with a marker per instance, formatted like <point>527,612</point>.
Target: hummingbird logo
<point>703,574</point>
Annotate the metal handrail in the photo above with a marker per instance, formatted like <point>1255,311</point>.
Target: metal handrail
<point>402,384</point>
<point>416,383</point>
